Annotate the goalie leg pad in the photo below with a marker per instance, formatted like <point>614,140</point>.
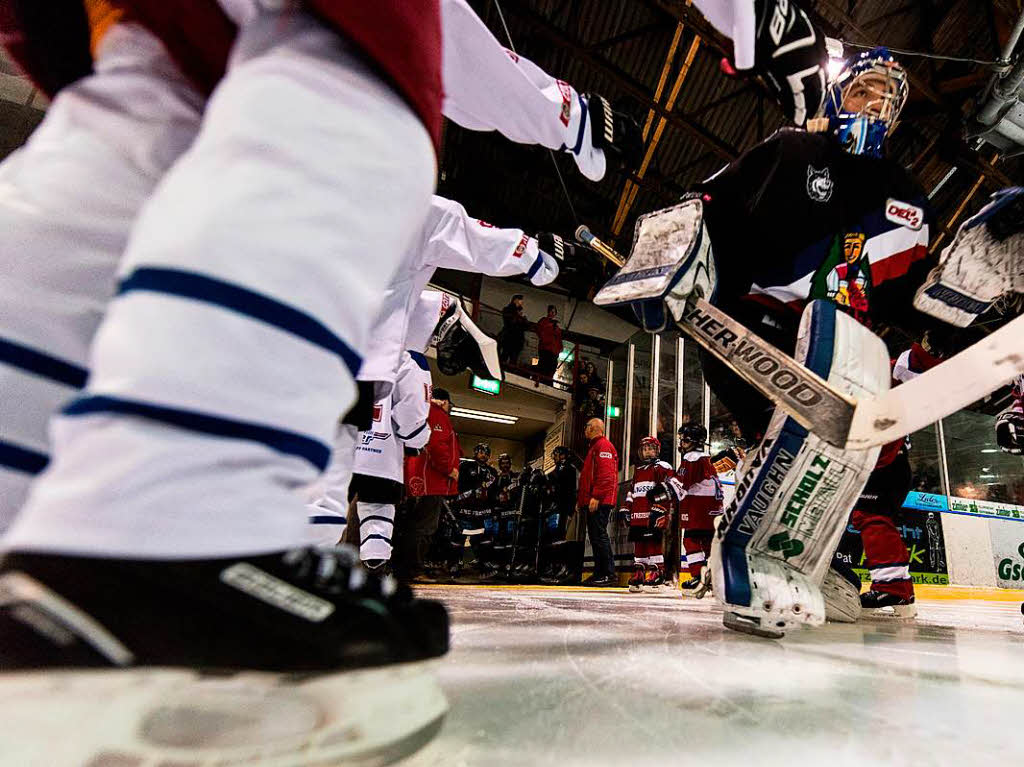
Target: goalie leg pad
<point>842,598</point>
<point>779,533</point>
<point>670,260</point>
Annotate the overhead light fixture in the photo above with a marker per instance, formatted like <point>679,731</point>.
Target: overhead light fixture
<point>483,415</point>
<point>990,450</point>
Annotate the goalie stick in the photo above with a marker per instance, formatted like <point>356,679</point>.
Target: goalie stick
<point>854,424</point>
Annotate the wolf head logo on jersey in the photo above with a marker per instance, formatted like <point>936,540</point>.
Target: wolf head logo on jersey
<point>819,184</point>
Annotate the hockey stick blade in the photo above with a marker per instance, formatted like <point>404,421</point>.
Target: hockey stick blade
<point>962,379</point>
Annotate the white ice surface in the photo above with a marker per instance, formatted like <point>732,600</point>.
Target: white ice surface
<point>587,678</point>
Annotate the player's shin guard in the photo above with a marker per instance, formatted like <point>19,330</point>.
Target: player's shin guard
<point>887,557</point>
<point>778,535</point>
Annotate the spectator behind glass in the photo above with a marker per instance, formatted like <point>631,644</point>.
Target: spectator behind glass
<point>549,337</point>
<point>513,331</point>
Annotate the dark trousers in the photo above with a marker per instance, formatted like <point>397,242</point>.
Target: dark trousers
<point>547,363</point>
<point>414,533</point>
<point>597,526</point>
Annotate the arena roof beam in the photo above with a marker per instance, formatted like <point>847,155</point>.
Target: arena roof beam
<point>627,82</point>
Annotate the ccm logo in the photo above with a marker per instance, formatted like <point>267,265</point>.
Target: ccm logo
<point>904,214</point>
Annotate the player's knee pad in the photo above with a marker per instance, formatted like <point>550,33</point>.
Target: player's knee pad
<point>791,505</point>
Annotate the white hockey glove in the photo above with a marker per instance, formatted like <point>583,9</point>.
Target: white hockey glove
<point>984,262</point>
<point>544,269</point>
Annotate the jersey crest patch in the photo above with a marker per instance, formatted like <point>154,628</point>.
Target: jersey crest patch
<point>845,275</point>
<point>819,184</point>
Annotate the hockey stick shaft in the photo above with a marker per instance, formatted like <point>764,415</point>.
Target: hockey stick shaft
<point>812,402</point>
<point>962,379</point>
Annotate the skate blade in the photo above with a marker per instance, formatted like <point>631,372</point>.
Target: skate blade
<point>747,625</point>
<point>634,589</point>
<point>148,717</point>
<point>892,612</point>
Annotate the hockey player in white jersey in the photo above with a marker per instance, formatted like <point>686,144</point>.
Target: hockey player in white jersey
<point>398,419</point>
<point>450,239</point>
<point>482,78</point>
<point>399,425</point>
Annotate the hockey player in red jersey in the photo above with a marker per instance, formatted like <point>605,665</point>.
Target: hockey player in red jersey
<point>702,501</point>
<point>643,517</point>
<point>885,552</point>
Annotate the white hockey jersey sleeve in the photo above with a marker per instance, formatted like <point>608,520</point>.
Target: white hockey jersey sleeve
<point>454,240</point>
<point>487,87</point>
<point>410,401</point>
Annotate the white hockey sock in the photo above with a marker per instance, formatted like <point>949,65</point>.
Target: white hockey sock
<point>68,198</point>
<point>376,528</point>
<point>328,512</point>
<point>245,301</point>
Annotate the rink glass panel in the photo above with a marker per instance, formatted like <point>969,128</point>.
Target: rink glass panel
<point>667,395</point>
<point>616,401</point>
<point>640,402</point>
<point>978,469</point>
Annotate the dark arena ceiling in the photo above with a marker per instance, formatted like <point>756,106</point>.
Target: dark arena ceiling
<point>623,48</point>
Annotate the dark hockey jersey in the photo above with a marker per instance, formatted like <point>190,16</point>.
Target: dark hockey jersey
<point>798,218</point>
<point>475,480</point>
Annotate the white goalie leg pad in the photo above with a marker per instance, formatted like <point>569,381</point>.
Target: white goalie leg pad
<point>779,533</point>
<point>842,598</point>
<point>670,260</point>
<point>977,268</point>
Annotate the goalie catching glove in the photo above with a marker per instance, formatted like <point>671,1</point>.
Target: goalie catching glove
<point>984,263</point>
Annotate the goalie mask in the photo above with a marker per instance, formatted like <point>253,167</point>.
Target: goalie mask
<point>864,102</point>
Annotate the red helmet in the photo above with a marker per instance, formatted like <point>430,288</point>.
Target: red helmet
<point>653,442</point>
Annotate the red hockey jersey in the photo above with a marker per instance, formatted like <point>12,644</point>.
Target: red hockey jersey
<point>703,500</point>
<point>645,477</point>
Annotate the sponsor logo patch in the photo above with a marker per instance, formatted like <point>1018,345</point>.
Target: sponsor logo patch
<point>521,247</point>
<point>282,595</point>
<point>566,91</point>
<point>904,214</point>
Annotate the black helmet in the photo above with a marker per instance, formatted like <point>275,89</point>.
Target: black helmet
<point>693,433</point>
<point>560,450</point>
<point>504,458</point>
<point>482,446</point>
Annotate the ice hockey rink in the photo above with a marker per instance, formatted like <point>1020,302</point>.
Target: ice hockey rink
<point>568,677</point>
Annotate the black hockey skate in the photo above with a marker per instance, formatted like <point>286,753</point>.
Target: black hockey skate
<point>882,600</point>
<point>291,659</point>
<point>636,581</point>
